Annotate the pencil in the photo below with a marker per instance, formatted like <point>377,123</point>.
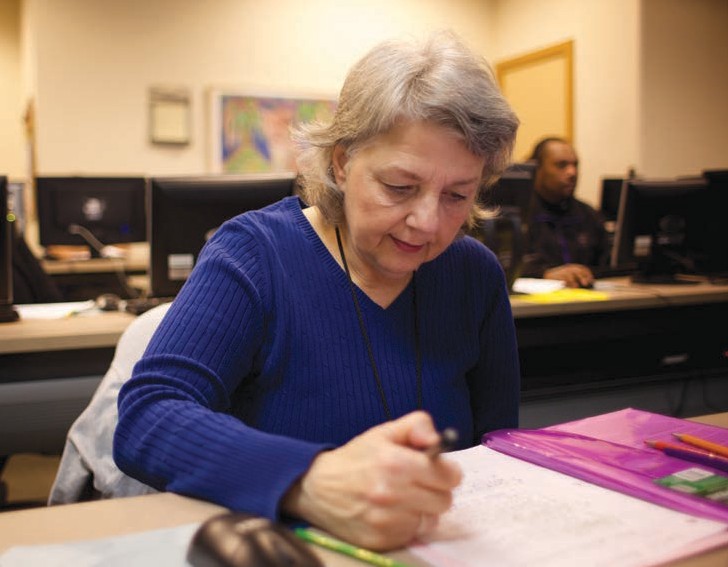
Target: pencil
<point>347,549</point>
<point>716,448</point>
<point>448,441</point>
<point>693,455</point>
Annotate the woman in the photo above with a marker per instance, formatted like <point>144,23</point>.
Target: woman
<point>315,350</point>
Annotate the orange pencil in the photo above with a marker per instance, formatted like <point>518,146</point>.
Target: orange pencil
<point>716,448</point>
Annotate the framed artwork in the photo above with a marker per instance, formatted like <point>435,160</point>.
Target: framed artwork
<point>539,87</point>
<point>251,133</point>
<point>169,116</point>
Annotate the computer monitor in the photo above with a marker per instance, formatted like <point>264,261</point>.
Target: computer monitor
<point>7,311</point>
<point>92,211</point>
<point>662,228</point>
<point>717,264</point>
<point>514,189</point>
<point>185,211</point>
<point>504,234</point>
<point>611,192</point>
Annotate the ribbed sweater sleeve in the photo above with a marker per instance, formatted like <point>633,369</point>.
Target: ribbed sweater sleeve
<point>259,363</point>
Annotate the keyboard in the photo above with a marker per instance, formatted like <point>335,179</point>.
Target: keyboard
<point>139,305</point>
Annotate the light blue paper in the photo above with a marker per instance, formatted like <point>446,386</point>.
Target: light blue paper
<point>166,547</point>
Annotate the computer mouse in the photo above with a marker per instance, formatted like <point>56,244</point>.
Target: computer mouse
<point>237,539</point>
<point>108,302</point>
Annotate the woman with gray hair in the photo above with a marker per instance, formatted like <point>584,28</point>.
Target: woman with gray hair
<point>319,345</point>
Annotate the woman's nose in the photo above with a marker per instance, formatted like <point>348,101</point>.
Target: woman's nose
<point>424,215</point>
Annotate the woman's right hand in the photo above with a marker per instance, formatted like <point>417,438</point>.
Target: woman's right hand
<point>380,490</point>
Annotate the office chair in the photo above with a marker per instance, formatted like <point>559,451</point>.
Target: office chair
<point>31,284</point>
<point>87,470</point>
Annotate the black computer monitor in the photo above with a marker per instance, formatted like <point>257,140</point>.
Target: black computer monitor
<point>504,234</point>
<point>7,311</point>
<point>717,264</point>
<point>662,228</point>
<point>610,197</point>
<point>92,211</point>
<point>514,189</point>
<point>185,211</point>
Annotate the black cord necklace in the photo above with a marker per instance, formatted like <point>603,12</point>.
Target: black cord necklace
<point>368,343</point>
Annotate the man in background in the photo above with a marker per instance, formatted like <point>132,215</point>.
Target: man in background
<point>566,236</point>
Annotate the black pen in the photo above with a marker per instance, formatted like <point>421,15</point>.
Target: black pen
<point>448,441</point>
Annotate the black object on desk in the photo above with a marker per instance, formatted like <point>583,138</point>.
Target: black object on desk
<point>7,312</point>
<point>237,539</point>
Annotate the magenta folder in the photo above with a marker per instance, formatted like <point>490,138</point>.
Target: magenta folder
<point>609,450</point>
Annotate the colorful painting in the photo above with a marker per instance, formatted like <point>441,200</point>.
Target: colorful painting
<point>253,133</point>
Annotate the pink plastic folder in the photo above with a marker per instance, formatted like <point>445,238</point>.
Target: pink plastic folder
<point>609,450</point>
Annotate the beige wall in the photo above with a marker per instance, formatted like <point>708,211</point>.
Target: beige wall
<point>12,147</point>
<point>606,73</point>
<point>642,98</point>
<point>685,86</point>
<point>96,60</point>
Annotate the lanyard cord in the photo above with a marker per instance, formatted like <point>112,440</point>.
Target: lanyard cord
<point>368,343</point>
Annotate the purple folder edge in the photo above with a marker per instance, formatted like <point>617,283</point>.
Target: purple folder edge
<point>587,458</point>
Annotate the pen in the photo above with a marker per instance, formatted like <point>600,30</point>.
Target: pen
<point>716,448</point>
<point>347,549</point>
<point>448,441</point>
<point>687,454</point>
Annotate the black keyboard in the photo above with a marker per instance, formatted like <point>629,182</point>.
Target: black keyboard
<point>139,305</point>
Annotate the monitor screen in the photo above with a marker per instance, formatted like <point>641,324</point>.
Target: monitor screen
<point>513,189</point>
<point>505,233</point>
<point>662,228</point>
<point>718,222</point>
<point>185,211</point>
<point>111,209</point>
<point>611,191</point>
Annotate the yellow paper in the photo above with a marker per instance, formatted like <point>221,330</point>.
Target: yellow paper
<point>566,295</point>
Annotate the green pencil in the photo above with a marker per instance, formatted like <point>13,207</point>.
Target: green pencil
<point>347,549</point>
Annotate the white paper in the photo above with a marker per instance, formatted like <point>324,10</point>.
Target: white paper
<point>54,310</point>
<point>511,513</point>
<point>536,285</point>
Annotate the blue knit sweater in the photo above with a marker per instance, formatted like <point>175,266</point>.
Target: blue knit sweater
<point>260,363</point>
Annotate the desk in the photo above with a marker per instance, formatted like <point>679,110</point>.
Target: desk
<point>661,348</point>
<point>49,370</point>
<point>128,515</point>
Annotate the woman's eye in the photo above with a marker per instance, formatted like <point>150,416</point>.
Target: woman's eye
<point>456,197</point>
<point>398,188</point>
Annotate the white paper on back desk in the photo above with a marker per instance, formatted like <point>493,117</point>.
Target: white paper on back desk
<point>511,513</point>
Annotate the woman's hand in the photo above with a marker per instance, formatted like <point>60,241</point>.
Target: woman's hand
<point>379,490</point>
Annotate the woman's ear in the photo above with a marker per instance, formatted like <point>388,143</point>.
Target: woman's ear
<point>338,163</point>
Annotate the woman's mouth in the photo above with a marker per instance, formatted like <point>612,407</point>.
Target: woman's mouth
<point>406,246</point>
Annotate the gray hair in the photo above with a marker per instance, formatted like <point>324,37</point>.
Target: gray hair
<point>439,80</point>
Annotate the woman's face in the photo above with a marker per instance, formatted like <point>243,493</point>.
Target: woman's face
<point>408,193</point>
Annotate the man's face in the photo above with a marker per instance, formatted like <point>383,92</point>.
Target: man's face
<point>557,175</point>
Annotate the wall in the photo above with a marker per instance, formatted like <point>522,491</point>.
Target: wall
<point>606,73</point>
<point>96,60</point>
<point>650,80</point>
<point>685,87</point>
<point>12,160</point>
<point>649,74</point>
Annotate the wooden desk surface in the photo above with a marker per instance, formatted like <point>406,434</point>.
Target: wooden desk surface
<point>95,330</point>
<point>137,260</point>
<point>625,295</point>
<point>106,518</point>
<point>104,329</point>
